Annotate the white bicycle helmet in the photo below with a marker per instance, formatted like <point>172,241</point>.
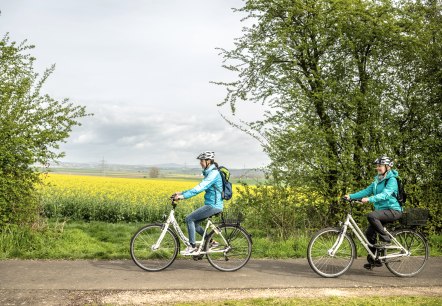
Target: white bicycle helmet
<point>384,160</point>
<point>207,155</point>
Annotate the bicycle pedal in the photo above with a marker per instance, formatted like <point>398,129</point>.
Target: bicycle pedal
<point>368,267</point>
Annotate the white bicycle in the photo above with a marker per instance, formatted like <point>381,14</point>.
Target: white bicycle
<point>154,247</point>
<point>331,251</point>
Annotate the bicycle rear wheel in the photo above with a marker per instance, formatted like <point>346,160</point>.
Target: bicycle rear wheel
<point>232,255</point>
<point>147,255</point>
<point>413,263</point>
<point>321,261</point>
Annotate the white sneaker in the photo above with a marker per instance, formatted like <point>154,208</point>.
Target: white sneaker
<point>190,250</point>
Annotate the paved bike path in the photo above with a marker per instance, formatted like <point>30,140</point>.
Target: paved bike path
<point>189,274</point>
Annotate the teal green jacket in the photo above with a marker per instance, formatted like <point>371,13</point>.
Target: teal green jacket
<point>381,192</point>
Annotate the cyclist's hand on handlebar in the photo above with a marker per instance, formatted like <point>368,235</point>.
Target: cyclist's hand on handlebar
<point>177,196</point>
<point>347,199</point>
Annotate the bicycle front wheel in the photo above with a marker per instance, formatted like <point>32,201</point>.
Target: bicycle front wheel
<point>319,258</point>
<point>414,262</point>
<point>234,249</point>
<point>149,252</point>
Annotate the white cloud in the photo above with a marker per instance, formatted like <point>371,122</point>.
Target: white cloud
<point>143,68</point>
<point>137,135</point>
<point>88,137</point>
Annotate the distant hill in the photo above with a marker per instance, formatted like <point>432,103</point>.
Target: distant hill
<point>97,165</point>
<point>169,166</point>
<point>166,170</point>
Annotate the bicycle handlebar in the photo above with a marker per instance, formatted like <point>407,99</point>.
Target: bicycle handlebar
<point>351,200</point>
<point>172,197</point>
<point>174,202</point>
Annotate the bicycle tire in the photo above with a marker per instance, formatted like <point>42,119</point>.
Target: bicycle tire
<point>143,254</point>
<point>324,264</point>
<point>231,256</point>
<point>412,264</point>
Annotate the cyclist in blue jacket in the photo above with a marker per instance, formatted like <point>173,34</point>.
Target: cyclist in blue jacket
<point>382,193</point>
<point>213,202</point>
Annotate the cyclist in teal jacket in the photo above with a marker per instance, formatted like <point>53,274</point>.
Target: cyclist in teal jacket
<point>212,184</point>
<point>382,194</point>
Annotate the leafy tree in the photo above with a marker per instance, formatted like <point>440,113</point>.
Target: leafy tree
<point>154,172</point>
<point>419,127</point>
<point>32,125</point>
<point>342,82</point>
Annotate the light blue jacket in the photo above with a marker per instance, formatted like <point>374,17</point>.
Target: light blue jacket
<point>212,184</point>
<point>381,194</point>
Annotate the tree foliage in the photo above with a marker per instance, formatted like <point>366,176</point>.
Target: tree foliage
<point>344,81</point>
<point>154,172</point>
<point>32,125</point>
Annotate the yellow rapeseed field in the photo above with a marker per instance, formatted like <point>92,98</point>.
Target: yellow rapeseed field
<point>124,190</point>
<point>113,199</point>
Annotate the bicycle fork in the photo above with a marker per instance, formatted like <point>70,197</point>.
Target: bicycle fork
<point>163,233</point>
<point>332,251</point>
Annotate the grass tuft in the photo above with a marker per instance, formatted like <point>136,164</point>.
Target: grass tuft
<point>329,301</point>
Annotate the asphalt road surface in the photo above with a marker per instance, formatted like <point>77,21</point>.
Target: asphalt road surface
<point>51,282</point>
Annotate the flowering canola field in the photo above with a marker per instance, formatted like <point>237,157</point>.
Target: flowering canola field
<point>113,199</point>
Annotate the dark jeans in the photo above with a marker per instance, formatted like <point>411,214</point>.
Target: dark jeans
<point>193,220</point>
<point>377,220</point>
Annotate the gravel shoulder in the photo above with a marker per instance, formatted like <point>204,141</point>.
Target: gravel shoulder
<point>167,297</point>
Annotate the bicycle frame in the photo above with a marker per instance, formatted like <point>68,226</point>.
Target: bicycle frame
<point>172,221</point>
<point>351,223</point>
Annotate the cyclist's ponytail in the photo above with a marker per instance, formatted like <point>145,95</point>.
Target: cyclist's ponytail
<point>215,163</point>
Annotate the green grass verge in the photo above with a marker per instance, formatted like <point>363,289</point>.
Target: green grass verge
<point>101,240</point>
<point>333,301</point>
<point>73,240</point>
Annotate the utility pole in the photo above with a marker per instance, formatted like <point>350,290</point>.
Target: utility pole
<point>103,167</point>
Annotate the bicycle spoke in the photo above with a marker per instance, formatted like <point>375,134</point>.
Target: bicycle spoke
<point>147,258</point>
<point>323,263</point>
<point>412,263</point>
<point>238,248</point>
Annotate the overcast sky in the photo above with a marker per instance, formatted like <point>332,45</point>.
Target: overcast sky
<point>143,68</point>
